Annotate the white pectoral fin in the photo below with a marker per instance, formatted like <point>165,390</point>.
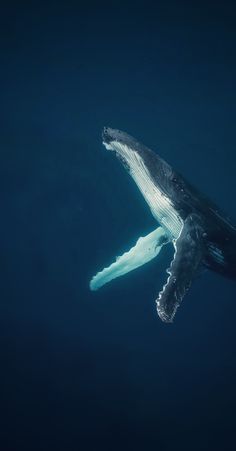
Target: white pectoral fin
<point>145,249</point>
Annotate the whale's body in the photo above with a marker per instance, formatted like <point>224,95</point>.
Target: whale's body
<point>200,233</point>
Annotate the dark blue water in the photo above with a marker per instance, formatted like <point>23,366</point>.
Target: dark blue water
<point>100,371</point>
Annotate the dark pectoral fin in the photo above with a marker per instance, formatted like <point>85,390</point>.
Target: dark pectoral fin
<point>187,258</point>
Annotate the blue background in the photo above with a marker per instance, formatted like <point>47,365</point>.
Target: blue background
<point>96,371</point>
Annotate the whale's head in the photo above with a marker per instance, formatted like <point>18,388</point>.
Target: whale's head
<point>154,176</point>
<point>130,152</point>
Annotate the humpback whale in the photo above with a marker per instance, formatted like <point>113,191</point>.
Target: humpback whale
<point>200,233</point>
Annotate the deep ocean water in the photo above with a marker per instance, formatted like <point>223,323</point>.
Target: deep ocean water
<point>95,371</point>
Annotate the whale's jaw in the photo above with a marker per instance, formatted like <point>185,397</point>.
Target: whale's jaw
<point>131,154</point>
